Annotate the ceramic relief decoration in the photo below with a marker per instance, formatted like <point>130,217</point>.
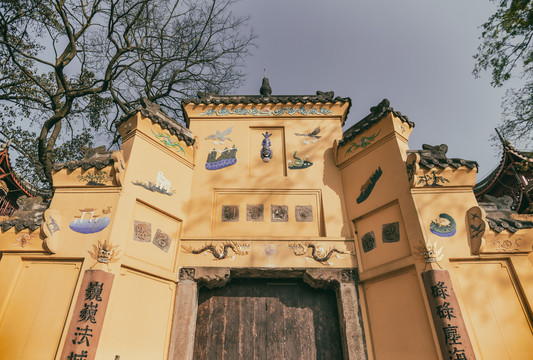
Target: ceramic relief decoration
<point>50,229</point>
<point>219,159</point>
<point>279,213</point>
<point>266,151</point>
<point>368,241</point>
<point>303,213</point>
<point>254,212</point>
<point>429,252</point>
<point>310,137</point>
<point>219,137</point>
<point>368,186</point>
<point>362,143</point>
<point>90,221</point>
<point>104,252</point>
<point>162,185</point>
<point>390,233</point>
<point>277,112</point>
<point>23,240</point>
<point>230,213</point>
<point>476,225</point>
<point>298,163</point>
<point>169,142</point>
<point>220,251</point>
<point>443,226</point>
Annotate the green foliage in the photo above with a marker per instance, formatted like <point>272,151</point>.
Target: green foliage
<point>506,50</point>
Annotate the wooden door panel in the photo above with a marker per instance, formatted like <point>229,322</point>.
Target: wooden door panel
<point>267,319</point>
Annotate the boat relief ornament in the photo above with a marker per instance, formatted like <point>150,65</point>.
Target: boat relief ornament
<point>266,151</point>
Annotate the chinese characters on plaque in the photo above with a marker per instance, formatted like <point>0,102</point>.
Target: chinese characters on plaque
<point>86,324</point>
<point>451,331</point>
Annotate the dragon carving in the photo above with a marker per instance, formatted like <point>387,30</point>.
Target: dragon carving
<point>220,251</point>
<point>318,253</point>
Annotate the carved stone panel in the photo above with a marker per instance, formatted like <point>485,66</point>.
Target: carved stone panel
<point>391,232</point>
<point>142,231</point>
<point>230,213</point>
<point>255,212</point>
<point>279,213</point>
<point>162,240</point>
<point>368,241</point>
<point>304,213</point>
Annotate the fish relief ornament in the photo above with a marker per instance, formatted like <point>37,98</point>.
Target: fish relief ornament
<point>266,152</point>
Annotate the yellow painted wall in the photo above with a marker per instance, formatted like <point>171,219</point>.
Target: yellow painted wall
<point>140,317</point>
<point>34,302</point>
<point>496,301</point>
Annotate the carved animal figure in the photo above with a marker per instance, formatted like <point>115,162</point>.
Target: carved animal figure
<point>266,152</point>
<point>162,182</point>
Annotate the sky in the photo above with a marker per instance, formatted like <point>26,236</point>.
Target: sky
<point>416,53</point>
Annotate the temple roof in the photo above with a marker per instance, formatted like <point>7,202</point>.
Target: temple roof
<point>9,175</point>
<point>501,217</point>
<point>510,177</point>
<point>154,113</point>
<point>28,216</point>
<point>319,98</point>
<point>377,113</point>
<point>94,158</point>
<point>435,156</point>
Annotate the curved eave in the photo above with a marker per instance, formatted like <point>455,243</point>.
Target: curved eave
<point>10,174</point>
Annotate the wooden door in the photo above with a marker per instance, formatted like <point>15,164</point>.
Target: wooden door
<point>267,319</point>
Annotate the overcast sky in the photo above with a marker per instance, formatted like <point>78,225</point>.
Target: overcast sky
<point>416,53</point>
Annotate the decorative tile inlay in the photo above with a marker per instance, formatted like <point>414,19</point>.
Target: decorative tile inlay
<point>368,186</point>
<point>311,136</point>
<point>162,185</point>
<point>368,241</point>
<point>142,231</point>
<point>266,151</point>
<point>169,142</point>
<point>362,143</point>
<point>277,112</point>
<point>90,221</point>
<point>443,226</point>
<point>230,213</point>
<point>226,158</point>
<point>303,213</point>
<point>391,232</point>
<point>162,240</point>
<point>280,213</point>
<point>255,212</point>
<point>298,163</point>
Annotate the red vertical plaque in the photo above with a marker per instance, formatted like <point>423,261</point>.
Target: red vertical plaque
<point>89,313</point>
<point>447,317</point>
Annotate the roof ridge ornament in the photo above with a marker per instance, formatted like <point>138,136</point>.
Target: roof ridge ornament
<point>265,89</point>
<point>437,150</point>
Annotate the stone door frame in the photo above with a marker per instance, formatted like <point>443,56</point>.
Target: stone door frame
<point>343,281</point>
